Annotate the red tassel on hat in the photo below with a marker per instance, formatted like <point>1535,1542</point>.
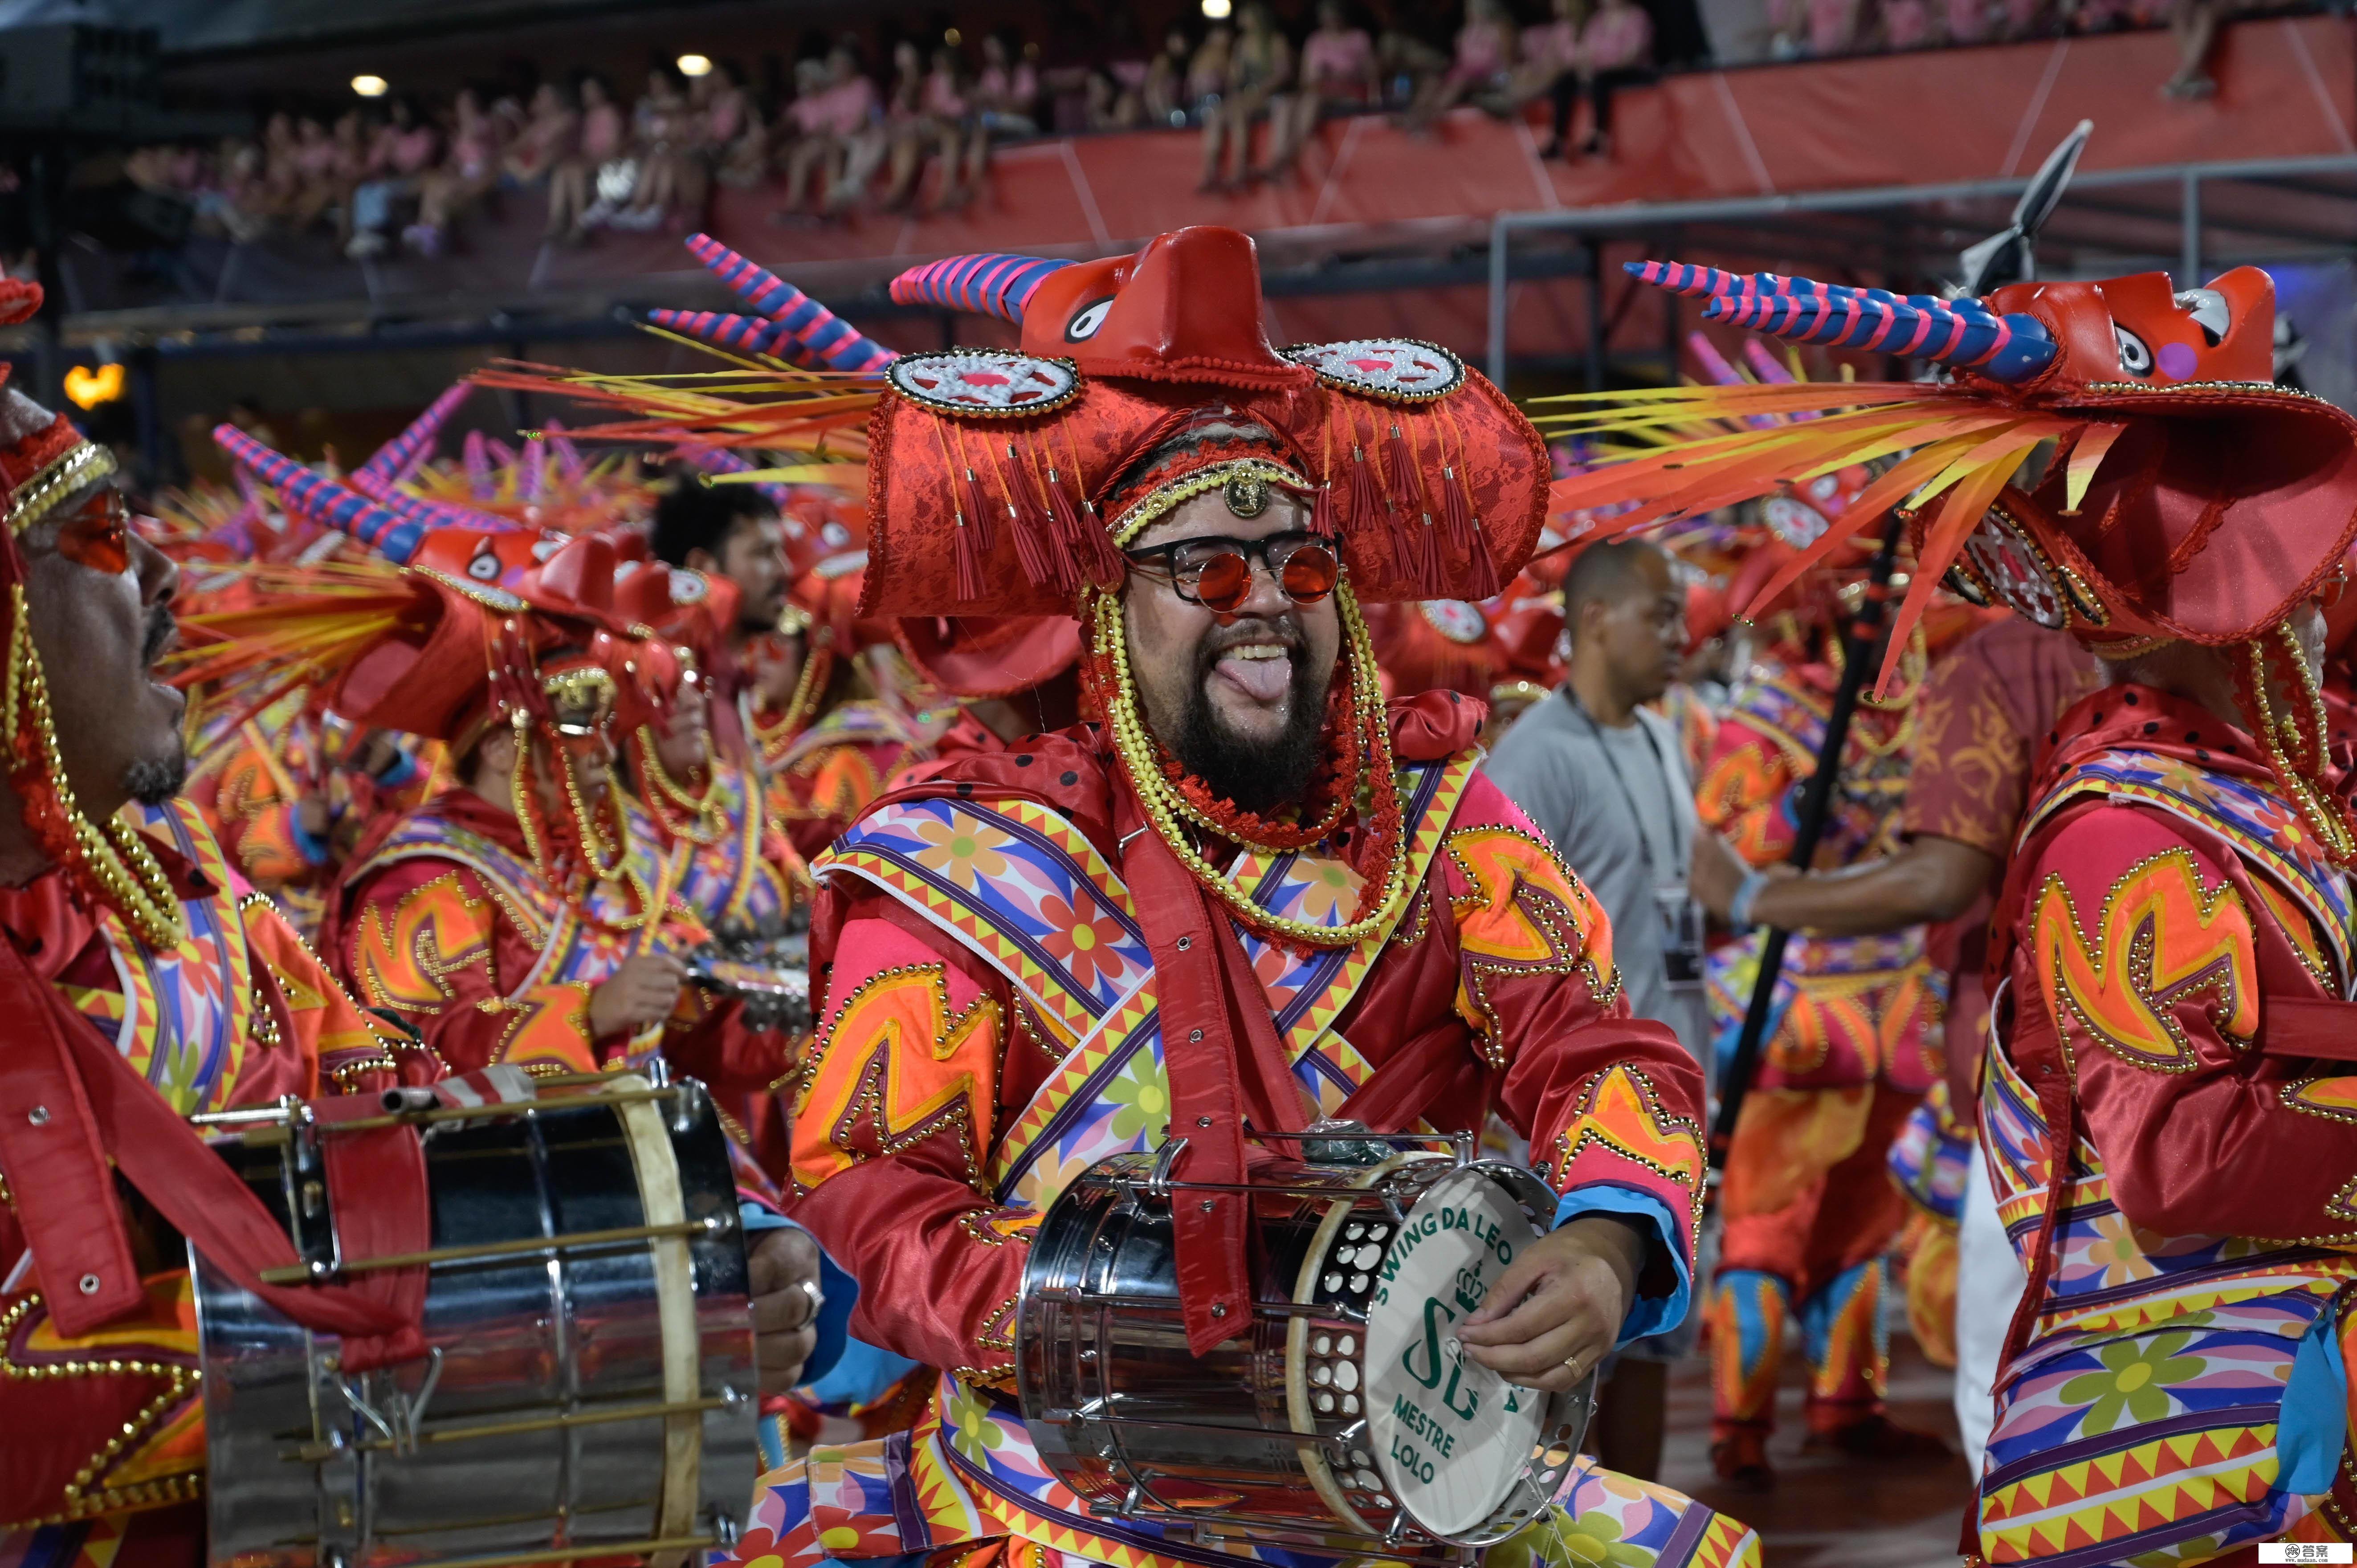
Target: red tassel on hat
<point>1431,573</point>
<point>1083,536</point>
<point>1456,511</point>
<point>969,561</point>
<point>1035,533</point>
<point>1367,509</point>
<point>1401,466</point>
<point>977,516</point>
<point>1480,569</point>
<point>1322,521</point>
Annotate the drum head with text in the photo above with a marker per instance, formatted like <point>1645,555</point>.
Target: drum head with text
<point>1452,1436</point>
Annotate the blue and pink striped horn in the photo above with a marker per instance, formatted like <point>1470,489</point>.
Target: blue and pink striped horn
<point>397,458</point>
<point>989,283</point>
<point>1962,333</point>
<point>797,328</point>
<point>436,514</point>
<point>324,500</point>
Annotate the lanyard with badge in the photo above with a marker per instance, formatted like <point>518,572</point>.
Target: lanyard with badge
<point>1680,916</point>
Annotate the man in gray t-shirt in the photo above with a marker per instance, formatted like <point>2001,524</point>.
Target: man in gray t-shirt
<point>1605,781</point>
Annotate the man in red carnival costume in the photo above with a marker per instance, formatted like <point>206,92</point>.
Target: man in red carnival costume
<point>1852,1048</point>
<point>2162,1120</point>
<point>144,983</point>
<point>511,919</point>
<point>1321,894</point>
<point>1986,712</point>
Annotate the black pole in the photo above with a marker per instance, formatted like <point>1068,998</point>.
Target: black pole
<point>1861,643</point>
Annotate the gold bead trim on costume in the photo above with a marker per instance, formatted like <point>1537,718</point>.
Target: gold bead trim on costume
<point>81,1502</point>
<point>1166,807</point>
<point>127,875</point>
<point>708,822</point>
<point>1216,476</point>
<point>38,496</point>
<point>2304,726</point>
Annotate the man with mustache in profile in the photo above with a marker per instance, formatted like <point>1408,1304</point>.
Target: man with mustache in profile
<point>143,983</point>
<point>1250,896</point>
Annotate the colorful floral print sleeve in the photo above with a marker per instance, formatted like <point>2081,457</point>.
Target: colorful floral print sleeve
<point>2176,949</point>
<point>987,1032</point>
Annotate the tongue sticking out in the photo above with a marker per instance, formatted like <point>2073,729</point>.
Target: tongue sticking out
<point>1263,680</point>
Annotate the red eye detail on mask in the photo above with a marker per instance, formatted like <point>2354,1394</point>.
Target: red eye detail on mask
<point>97,534</point>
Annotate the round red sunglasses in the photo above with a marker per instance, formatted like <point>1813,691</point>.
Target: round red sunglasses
<point>1216,572</point>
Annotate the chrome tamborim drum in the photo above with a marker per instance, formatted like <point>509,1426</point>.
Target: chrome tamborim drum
<point>590,1388</point>
<point>1344,1414</point>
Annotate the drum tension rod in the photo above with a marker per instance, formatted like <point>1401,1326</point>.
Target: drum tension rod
<point>307,1274</point>
<point>320,1452</point>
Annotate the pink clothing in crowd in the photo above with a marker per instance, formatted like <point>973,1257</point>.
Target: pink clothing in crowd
<point>1014,92</point>
<point>1553,46</point>
<point>1483,49</point>
<point>1620,37</point>
<point>942,99</point>
<point>601,133</point>
<point>1967,21</point>
<point>1832,25</point>
<point>1333,62</point>
<point>1906,24</point>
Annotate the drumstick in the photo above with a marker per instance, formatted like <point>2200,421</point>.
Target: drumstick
<point>667,879</point>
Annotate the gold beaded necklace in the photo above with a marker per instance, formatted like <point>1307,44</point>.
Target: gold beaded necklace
<point>1165,806</point>
<point>705,821</point>
<point>115,864</point>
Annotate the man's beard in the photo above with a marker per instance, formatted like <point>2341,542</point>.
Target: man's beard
<point>1258,776</point>
<point>153,780</point>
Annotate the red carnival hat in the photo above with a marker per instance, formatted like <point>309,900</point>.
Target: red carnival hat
<point>992,472</point>
<point>2187,496</point>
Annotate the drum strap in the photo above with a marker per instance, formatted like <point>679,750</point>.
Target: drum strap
<point>94,1105</point>
<point>1225,1066</point>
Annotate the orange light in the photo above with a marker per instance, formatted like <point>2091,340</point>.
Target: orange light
<point>89,388</point>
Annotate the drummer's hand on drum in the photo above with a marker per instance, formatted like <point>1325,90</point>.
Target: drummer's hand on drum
<point>785,1306</point>
<point>637,995</point>
<point>1558,1307</point>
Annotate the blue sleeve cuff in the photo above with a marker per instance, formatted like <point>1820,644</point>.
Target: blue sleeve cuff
<point>400,770</point>
<point>841,1291</point>
<point>310,849</point>
<point>1648,1315</point>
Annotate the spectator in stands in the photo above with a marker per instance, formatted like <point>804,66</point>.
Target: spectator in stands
<point>469,173</point>
<point>1410,64</point>
<point>1550,69</point>
<point>1006,102</point>
<point>1906,24</point>
<point>1260,69</point>
<point>1207,72</point>
<point>551,136</point>
<point>2195,24</point>
<point>1967,21</point>
<point>1616,51</point>
<point>1833,27</point>
<point>601,141</point>
<point>665,128</point>
<point>909,127</point>
<point>1163,93</point>
<point>1486,52</point>
<point>735,142</point>
<point>1125,66</point>
<point>1338,75</point>
<point>406,149</point>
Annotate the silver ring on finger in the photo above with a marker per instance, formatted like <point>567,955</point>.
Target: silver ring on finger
<point>817,1299</point>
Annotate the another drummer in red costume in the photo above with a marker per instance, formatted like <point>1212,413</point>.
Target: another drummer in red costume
<point>143,982</point>
<point>1250,894</point>
<point>2164,1116</point>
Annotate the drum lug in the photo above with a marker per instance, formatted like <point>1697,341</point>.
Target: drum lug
<point>1157,1180</point>
<point>397,1423</point>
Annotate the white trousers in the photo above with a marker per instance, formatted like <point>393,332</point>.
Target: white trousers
<point>1990,1283</point>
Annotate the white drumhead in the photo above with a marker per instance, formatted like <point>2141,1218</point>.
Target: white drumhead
<point>1451,1435</point>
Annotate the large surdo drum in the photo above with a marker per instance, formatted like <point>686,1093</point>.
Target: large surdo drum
<point>1344,1416</point>
<point>589,1391</point>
